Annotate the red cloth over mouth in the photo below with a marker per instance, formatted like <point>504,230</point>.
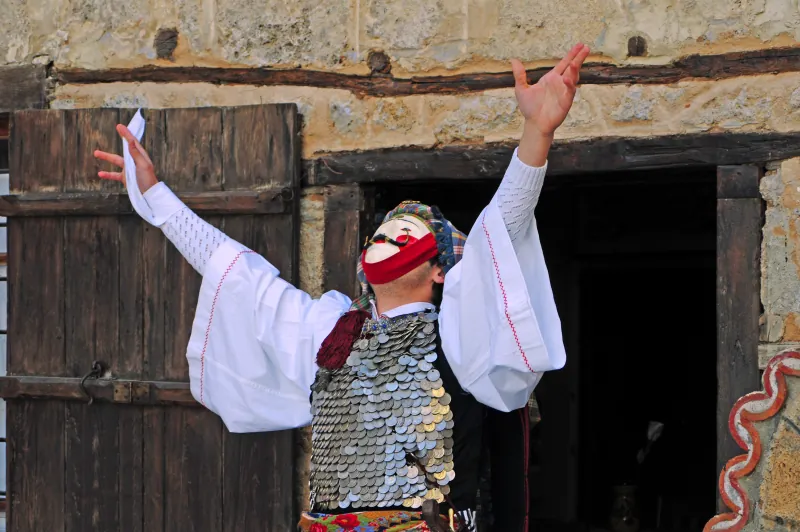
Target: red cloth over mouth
<point>409,257</point>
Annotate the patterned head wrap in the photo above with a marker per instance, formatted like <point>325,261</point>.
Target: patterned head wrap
<point>449,240</point>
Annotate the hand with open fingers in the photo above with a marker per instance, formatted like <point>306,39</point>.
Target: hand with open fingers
<point>545,104</point>
<point>145,173</point>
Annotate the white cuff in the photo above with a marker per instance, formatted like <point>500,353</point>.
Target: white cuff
<point>163,202</point>
<point>524,176</point>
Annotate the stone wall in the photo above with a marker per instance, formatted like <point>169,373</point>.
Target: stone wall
<point>421,35</point>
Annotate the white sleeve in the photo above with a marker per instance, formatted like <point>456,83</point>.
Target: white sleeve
<point>499,324</point>
<point>195,238</point>
<point>252,350</point>
<point>518,195</point>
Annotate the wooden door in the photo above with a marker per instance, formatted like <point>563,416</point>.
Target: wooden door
<point>90,281</point>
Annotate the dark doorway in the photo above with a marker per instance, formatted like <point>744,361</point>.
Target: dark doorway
<point>632,260</point>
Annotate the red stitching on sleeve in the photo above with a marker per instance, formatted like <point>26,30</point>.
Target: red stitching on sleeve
<point>503,291</point>
<point>211,318</point>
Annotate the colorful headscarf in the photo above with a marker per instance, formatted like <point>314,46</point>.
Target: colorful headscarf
<point>449,240</point>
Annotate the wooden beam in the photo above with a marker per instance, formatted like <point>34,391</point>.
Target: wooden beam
<point>22,87</point>
<point>739,224</point>
<point>4,126</point>
<point>344,225</point>
<point>274,201</point>
<point>607,154</point>
<point>132,392</point>
<point>718,66</point>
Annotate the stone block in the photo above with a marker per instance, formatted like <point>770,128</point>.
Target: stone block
<point>276,32</point>
<point>417,34</point>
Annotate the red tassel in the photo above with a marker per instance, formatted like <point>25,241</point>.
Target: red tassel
<point>337,346</point>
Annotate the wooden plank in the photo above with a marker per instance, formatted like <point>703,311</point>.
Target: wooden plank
<point>259,473</point>
<point>87,130</point>
<point>35,461</point>
<point>22,87</point>
<point>131,471</point>
<point>258,480</point>
<point>261,146</point>
<point>154,470</point>
<point>608,154</point>
<point>188,147</point>
<point>40,132</point>
<point>715,66</point>
<point>192,447</point>
<point>91,309</point>
<point>739,223</point>
<point>35,466</point>
<point>153,257</point>
<point>121,391</point>
<point>343,232</point>
<point>131,310</point>
<point>192,149</point>
<point>272,201</point>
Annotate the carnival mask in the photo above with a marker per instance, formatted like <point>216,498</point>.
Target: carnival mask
<point>397,247</point>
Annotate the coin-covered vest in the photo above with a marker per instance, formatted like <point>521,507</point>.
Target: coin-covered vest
<point>393,427</point>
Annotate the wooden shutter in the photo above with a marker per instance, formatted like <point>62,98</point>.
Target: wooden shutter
<point>89,280</point>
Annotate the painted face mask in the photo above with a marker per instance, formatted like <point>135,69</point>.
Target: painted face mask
<point>400,244</point>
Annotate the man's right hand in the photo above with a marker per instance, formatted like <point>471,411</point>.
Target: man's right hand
<point>145,173</point>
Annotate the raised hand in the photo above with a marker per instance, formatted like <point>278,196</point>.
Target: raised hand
<point>545,105</point>
<point>145,173</point>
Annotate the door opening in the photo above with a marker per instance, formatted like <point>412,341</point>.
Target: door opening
<point>632,259</point>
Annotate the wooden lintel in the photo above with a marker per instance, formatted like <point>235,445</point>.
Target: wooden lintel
<point>277,201</point>
<point>608,154</point>
<point>134,392</point>
<point>718,66</point>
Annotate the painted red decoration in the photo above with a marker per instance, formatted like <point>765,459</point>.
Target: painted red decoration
<point>753,407</point>
<point>337,346</point>
<point>409,257</point>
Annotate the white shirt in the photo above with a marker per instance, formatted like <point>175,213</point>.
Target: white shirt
<point>255,337</point>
